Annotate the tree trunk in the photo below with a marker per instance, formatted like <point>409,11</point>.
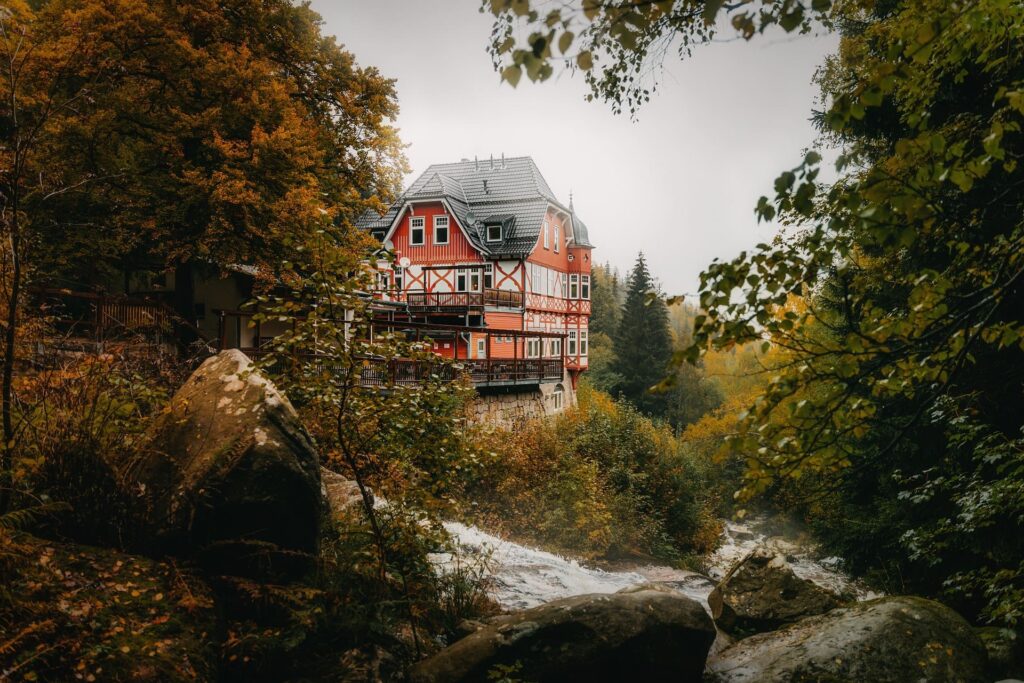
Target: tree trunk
<point>10,353</point>
<point>185,303</point>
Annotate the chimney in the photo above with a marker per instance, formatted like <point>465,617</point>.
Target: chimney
<point>503,160</point>
<point>492,161</point>
<point>476,160</point>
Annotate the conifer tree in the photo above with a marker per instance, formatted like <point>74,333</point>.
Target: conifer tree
<point>643,343</point>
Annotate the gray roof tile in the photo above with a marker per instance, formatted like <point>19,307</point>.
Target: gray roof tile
<point>484,191</point>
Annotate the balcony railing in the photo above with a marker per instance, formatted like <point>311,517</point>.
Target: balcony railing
<point>503,297</point>
<point>378,372</point>
<point>458,302</point>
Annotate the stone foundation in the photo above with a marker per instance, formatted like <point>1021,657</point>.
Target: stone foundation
<point>511,407</point>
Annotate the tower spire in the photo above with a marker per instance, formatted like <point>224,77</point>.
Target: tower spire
<point>570,201</point>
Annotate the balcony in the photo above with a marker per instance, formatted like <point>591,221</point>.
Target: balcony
<point>462,302</point>
<point>492,372</point>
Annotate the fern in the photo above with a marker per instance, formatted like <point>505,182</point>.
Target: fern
<point>26,518</point>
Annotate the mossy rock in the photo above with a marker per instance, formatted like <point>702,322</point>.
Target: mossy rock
<point>888,640</point>
<point>229,462</point>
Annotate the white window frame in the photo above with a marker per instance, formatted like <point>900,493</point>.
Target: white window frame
<point>533,347</point>
<point>442,222</point>
<point>417,223</point>
<point>399,277</point>
<point>491,227</point>
<point>556,348</point>
<point>572,343</point>
<point>557,237</point>
<point>475,280</point>
<point>574,286</point>
<point>547,236</point>
<point>584,343</point>
<point>461,280</point>
<point>556,398</point>
<point>481,348</point>
<point>488,276</point>
<point>585,287</point>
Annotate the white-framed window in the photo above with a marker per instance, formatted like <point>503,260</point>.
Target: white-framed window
<point>417,233</point>
<point>474,280</point>
<point>536,278</point>
<point>494,232</point>
<point>532,348</point>
<point>557,397</point>
<point>584,286</point>
<point>460,279</point>
<point>440,229</point>
<point>557,238</point>
<point>399,278</point>
<point>481,348</point>
<point>556,347</point>
<point>574,286</point>
<point>547,236</point>
<point>552,281</point>
<point>489,275</point>
<point>584,334</point>
<point>572,343</point>
<point>565,285</point>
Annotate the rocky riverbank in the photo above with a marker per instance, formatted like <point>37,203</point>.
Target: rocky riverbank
<point>242,594</point>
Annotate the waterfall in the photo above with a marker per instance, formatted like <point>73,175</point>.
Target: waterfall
<point>523,577</point>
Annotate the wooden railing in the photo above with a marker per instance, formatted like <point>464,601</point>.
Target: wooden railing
<point>378,372</point>
<point>500,371</point>
<point>443,302</point>
<point>503,297</point>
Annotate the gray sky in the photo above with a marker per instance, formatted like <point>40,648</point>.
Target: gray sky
<point>680,183</point>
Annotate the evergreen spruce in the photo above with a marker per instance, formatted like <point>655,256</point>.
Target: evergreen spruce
<point>643,343</point>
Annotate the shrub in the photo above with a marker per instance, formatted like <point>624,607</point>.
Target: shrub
<point>599,480</point>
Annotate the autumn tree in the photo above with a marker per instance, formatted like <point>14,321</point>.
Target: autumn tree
<point>168,136</point>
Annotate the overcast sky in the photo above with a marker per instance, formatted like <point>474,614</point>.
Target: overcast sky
<point>679,184</point>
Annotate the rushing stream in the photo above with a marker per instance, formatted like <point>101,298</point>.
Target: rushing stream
<point>524,577</point>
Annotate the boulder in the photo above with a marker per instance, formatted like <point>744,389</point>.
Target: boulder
<point>642,636</point>
<point>761,593</point>
<point>228,464</point>
<point>893,639</point>
<point>341,494</point>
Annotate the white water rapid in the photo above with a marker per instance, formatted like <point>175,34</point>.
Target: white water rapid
<point>524,577</point>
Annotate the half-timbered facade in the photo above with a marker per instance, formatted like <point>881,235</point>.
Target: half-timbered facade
<point>486,246</point>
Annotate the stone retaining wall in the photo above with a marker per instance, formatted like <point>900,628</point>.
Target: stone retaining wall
<point>517,405</point>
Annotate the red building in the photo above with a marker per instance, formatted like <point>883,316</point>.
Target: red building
<point>485,254</point>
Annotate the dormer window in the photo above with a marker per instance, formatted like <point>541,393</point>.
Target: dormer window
<point>417,231</point>
<point>494,232</point>
<point>440,229</point>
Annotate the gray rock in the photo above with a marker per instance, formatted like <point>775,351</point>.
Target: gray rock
<point>761,593</point>
<point>888,640</point>
<point>640,636</point>
<point>342,495</point>
<point>229,464</point>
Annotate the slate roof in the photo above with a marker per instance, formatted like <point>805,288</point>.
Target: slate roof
<point>511,191</point>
